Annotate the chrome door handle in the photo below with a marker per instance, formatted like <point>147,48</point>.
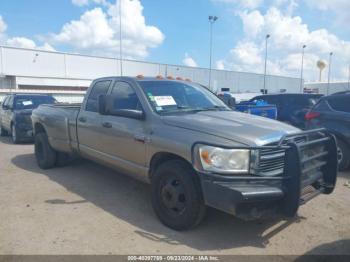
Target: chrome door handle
<point>107,125</point>
<point>140,138</point>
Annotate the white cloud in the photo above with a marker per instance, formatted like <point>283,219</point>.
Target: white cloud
<point>87,2</point>
<point>3,25</point>
<point>98,31</point>
<point>249,4</point>
<point>22,42</point>
<point>189,61</point>
<point>339,7</point>
<point>288,34</point>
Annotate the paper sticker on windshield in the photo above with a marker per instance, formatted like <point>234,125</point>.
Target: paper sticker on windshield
<point>164,101</point>
<point>27,103</point>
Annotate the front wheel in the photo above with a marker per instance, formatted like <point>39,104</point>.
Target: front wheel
<point>3,132</point>
<point>176,195</point>
<point>14,134</point>
<point>45,155</point>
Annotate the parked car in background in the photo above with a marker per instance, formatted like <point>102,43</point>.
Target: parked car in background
<point>258,108</point>
<point>291,108</point>
<point>333,112</point>
<point>193,149</point>
<point>15,115</point>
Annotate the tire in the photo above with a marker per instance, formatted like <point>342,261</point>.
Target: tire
<point>3,132</point>
<point>15,135</point>
<point>45,155</point>
<point>63,159</point>
<point>343,155</point>
<point>175,179</point>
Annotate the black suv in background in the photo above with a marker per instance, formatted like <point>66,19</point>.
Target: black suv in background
<point>333,113</point>
<point>291,108</point>
<point>15,115</point>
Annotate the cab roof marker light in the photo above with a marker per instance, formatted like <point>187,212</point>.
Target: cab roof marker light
<point>188,80</point>
<point>179,78</point>
<point>140,76</point>
<point>170,78</point>
<point>159,77</point>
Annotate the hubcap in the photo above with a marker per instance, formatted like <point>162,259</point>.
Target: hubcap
<point>173,196</point>
<point>340,155</point>
<point>14,133</point>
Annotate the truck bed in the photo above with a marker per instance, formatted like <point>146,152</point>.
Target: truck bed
<point>60,125</point>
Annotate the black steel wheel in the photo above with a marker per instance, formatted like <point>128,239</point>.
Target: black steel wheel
<point>45,155</point>
<point>176,195</point>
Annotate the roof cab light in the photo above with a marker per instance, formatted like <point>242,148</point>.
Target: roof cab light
<point>179,78</point>
<point>159,77</point>
<point>170,77</point>
<point>140,76</point>
<point>311,115</point>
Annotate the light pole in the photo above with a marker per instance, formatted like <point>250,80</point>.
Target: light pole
<point>302,69</point>
<point>212,20</point>
<point>329,71</point>
<point>349,79</point>
<point>267,37</point>
<point>120,38</point>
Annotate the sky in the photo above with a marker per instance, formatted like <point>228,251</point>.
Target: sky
<point>177,32</point>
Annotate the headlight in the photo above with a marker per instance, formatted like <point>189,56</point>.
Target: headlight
<point>221,160</point>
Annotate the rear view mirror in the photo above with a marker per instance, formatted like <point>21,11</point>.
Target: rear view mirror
<point>228,100</point>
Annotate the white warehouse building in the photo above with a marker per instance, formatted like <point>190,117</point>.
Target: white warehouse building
<point>67,76</point>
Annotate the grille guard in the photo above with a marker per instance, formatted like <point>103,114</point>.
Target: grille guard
<point>321,170</point>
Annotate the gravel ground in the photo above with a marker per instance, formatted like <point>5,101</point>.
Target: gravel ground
<point>85,208</point>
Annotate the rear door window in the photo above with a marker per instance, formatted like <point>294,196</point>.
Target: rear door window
<point>125,97</point>
<point>100,88</point>
<point>340,103</point>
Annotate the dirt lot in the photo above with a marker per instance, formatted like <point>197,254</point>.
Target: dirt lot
<point>88,209</point>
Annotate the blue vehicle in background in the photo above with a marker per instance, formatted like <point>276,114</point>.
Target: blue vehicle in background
<point>257,107</point>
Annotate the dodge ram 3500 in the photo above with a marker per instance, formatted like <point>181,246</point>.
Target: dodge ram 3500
<point>193,149</point>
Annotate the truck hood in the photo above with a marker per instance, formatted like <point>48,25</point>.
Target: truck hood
<point>239,127</point>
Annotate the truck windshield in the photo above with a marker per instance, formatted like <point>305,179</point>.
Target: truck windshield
<point>172,97</point>
<point>32,102</point>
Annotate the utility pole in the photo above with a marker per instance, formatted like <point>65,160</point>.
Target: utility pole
<point>302,69</point>
<point>212,20</point>
<point>120,38</point>
<point>329,71</point>
<point>267,37</point>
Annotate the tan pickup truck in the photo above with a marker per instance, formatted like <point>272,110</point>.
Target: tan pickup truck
<point>193,149</point>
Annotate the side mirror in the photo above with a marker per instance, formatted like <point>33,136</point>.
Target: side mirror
<point>228,100</point>
<point>231,102</point>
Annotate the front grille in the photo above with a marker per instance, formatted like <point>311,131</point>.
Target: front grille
<point>271,162</point>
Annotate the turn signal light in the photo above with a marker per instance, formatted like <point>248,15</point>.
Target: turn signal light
<point>311,115</point>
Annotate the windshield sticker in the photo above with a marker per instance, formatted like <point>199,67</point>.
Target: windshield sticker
<point>27,103</point>
<point>164,101</point>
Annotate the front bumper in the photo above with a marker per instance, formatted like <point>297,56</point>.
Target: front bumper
<point>305,176</point>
